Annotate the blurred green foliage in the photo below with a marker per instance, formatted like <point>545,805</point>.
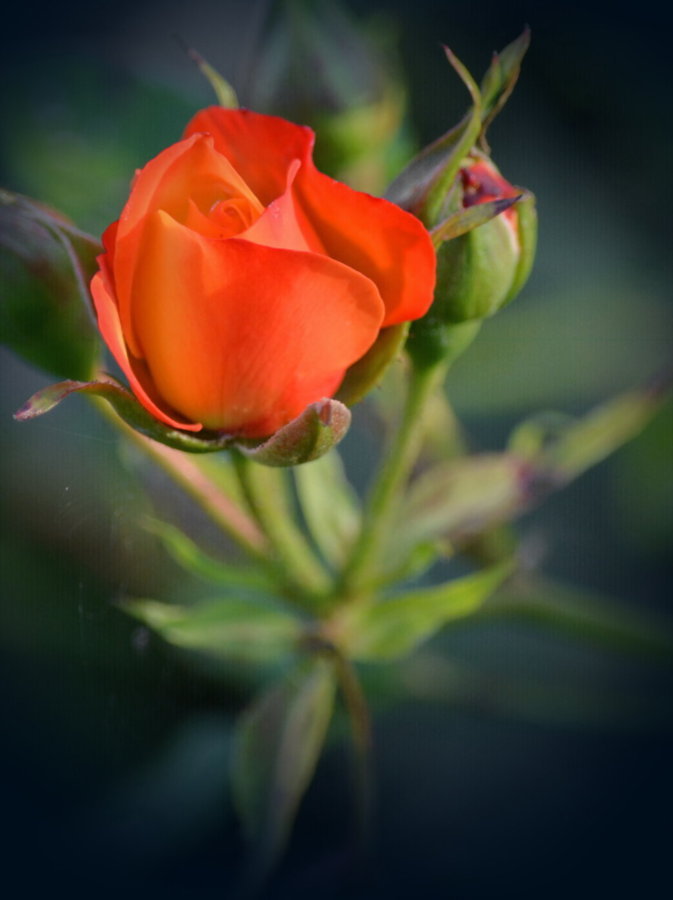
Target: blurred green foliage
<point>104,720</point>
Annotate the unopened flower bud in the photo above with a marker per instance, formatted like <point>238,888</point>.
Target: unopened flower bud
<point>481,271</point>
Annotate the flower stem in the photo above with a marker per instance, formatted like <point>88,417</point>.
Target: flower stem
<point>266,495</point>
<point>399,460</point>
<point>185,472</point>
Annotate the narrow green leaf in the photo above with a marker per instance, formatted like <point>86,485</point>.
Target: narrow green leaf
<point>278,743</point>
<point>243,630</point>
<point>392,628</point>
<point>582,614</point>
<point>499,80</point>
<point>568,450</point>
<point>329,504</point>
<point>190,556</point>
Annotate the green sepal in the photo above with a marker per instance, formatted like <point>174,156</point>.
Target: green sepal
<point>422,187</point>
<point>278,742</point>
<point>245,630</point>
<point>526,223</point>
<point>45,268</point>
<point>499,80</point>
<point>393,627</point>
<point>319,428</point>
<point>314,432</point>
<point>127,408</point>
<point>368,371</point>
<point>433,342</point>
<point>459,223</point>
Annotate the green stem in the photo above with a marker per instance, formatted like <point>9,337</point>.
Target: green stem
<point>399,460</point>
<point>361,729</point>
<point>266,495</point>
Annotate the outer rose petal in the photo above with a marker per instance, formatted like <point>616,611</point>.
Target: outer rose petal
<point>242,337</point>
<point>261,148</point>
<point>371,235</point>
<point>110,328</point>
<point>374,237</point>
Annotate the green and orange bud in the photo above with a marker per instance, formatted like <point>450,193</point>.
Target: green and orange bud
<point>482,270</point>
<point>483,228</point>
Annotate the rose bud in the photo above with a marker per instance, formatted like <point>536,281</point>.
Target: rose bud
<point>481,271</point>
<point>240,283</point>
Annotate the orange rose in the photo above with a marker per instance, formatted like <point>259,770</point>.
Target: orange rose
<point>240,283</point>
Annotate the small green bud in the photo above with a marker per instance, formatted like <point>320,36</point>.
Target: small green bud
<point>481,271</point>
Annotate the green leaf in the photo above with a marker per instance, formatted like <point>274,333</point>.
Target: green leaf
<point>190,556</point>
<point>584,615</point>
<point>45,268</point>
<point>243,630</point>
<point>319,428</point>
<point>566,451</point>
<point>457,499</point>
<point>392,628</point>
<point>423,185</point>
<point>278,743</point>
<point>329,504</point>
<point>499,80</point>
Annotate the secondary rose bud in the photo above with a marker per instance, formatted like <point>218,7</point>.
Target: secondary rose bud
<point>481,271</point>
<point>240,283</point>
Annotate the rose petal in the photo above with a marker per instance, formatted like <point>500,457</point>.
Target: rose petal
<point>110,327</point>
<point>371,235</point>
<point>261,148</point>
<point>191,170</point>
<point>242,337</point>
<point>284,223</point>
<point>374,237</point>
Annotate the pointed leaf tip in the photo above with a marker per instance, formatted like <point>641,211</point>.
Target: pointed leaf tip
<point>127,408</point>
<point>469,218</point>
<point>500,79</point>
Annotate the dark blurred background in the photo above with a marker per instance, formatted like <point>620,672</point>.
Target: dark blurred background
<point>540,765</point>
